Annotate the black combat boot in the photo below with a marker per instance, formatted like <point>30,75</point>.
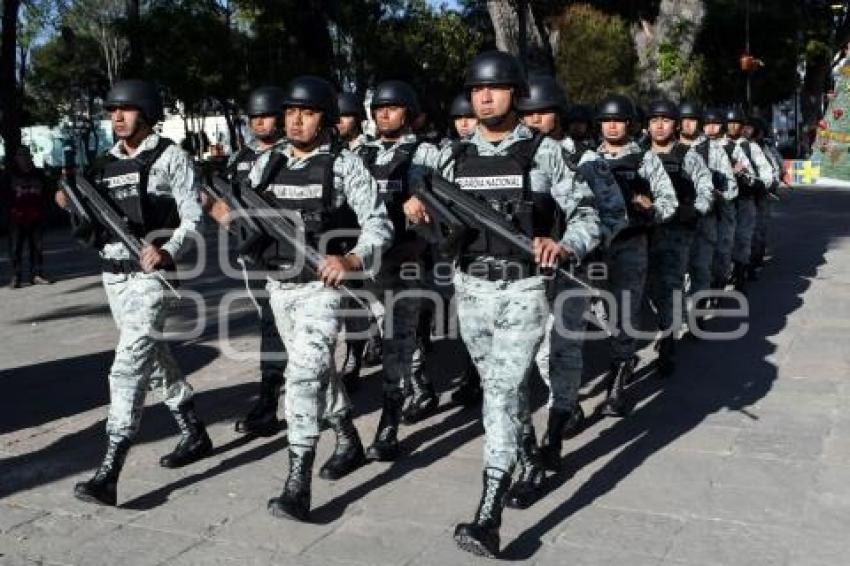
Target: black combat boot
<point>374,351</point>
<point>294,501</point>
<point>194,442</point>
<point>348,454</point>
<point>385,446</point>
<point>752,273</point>
<point>423,400</point>
<point>616,404</point>
<point>481,536</point>
<point>102,488</point>
<point>528,487</point>
<point>469,393</point>
<point>561,424</point>
<point>739,277</point>
<point>262,420</point>
<point>353,363</point>
<point>666,363</point>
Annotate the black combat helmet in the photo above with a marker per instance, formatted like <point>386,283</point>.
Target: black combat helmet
<point>265,101</point>
<point>688,109</point>
<point>713,116</point>
<point>312,92</point>
<point>544,93</point>
<point>663,108</point>
<point>396,93</point>
<point>350,104</point>
<point>616,107</point>
<point>461,107</point>
<point>495,68</point>
<point>736,114</point>
<point>135,93</point>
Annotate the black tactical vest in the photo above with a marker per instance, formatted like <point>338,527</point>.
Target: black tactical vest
<point>308,192</point>
<point>625,170</point>
<point>125,184</point>
<point>504,182</point>
<point>686,194</point>
<point>392,179</point>
<point>240,167</point>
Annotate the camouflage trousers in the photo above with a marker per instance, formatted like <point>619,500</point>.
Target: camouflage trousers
<point>139,304</point>
<point>727,220</point>
<point>669,252</point>
<point>763,209</point>
<point>272,350</point>
<point>702,253</point>
<point>401,294</point>
<point>746,225</point>
<point>502,324</point>
<point>559,359</point>
<point>626,259</point>
<point>307,316</point>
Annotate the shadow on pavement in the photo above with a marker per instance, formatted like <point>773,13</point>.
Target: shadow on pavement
<point>712,376</point>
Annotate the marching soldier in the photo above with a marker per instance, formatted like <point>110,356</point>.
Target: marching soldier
<point>670,243</point>
<point>708,235</point>
<point>559,358</point>
<point>351,115</point>
<point>650,199</point>
<point>152,182</point>
<point>727,212</point>
<point>322,183</point>
<point>756,134</point>
<point>265,114</point>
<point>463,118</point>
<point>755,175</point>
<point>398,160</point>
<point>502,304</point>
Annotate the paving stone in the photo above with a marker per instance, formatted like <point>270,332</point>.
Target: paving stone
<point>382,542</point>
<point>129,545</point>
<point>725,543</point>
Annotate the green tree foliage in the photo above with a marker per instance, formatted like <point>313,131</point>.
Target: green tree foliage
<point>595,54</point>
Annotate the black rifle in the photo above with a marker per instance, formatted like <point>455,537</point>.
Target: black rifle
<point>283,229</point>
<point>91,206</point>
<point>480,214</point>
<point>454,232</point>
<point>243,225</point>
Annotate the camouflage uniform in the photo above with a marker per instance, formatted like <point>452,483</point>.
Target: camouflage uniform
<point>670,247</point>
<point>560,357</point>
<point>746,222</point>
<point>727,215</point>
<point>763,204</point>
<point>139,302</point>
<point>503,322</point>
<point>403,355</point>
<point>307,314</point>
<point>272,351</point>
<point>706,240</point>
<point>627,257</point>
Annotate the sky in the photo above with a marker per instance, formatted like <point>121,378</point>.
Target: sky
<point>452,4</point>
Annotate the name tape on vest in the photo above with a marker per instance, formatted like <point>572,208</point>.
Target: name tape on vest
<point>491,182</point>
<point>296,192</point>
<point>123,180</point>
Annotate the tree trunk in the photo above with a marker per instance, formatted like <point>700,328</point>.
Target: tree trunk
<point>664,46</point>
<point>505,18</point>
<point>136,59</point>
<point>9,129</point>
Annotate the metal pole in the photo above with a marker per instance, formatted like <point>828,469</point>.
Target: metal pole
<point>747,48</point>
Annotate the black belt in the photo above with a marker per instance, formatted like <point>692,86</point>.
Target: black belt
<point>498,271</point>
<point>120,266</point>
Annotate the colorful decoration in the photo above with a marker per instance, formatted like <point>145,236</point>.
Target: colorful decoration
<point>832,147</point>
